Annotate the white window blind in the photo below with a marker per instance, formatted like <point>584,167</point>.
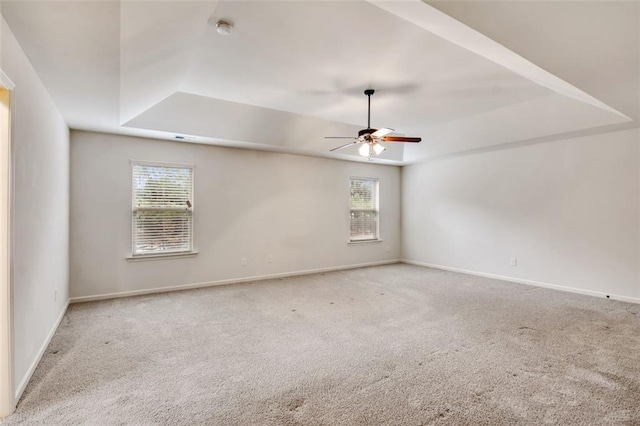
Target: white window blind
<point>162,209</point>
<point>363,205</point>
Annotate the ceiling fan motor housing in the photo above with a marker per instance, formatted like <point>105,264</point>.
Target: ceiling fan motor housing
<point>366,132</point>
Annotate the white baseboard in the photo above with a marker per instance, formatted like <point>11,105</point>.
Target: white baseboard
<point>527,282</point>
<point>32,368</point>
<point>81,299</point>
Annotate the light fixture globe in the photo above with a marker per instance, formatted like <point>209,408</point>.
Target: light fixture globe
<point>365,150</point>
<point>378,149</point>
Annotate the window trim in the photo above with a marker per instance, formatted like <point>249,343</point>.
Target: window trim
<point>132,257</point>
<point>145,257</point>
<point>378,237</point>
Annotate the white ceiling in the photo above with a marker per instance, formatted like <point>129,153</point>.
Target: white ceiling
<point>316,58</point>
<point>294,71</point>
<point>593,45</point>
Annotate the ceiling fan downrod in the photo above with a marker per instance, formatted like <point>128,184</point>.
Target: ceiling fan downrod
<point>369,92</point>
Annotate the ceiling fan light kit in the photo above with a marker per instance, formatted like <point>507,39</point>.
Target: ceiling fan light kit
<point>367,149</point>
<point>371,138</point>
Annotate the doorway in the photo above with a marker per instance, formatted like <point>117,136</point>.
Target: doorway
<point>7,402</point>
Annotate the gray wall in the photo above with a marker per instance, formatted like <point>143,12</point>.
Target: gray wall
<point>41,210</point>
<point>247,204</point>
<point>567,210</point>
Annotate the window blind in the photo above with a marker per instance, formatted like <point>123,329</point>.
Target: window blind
<point>162,209</point>
<point>363,205</point>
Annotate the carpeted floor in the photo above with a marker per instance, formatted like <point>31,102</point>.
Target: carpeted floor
<point>392,345</point>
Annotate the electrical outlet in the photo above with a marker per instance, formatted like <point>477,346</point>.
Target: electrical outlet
<point>513,261</point>
<point>243,261</point>
<point>55,295</point>
<point>270,258</point>
<point>388,249</point>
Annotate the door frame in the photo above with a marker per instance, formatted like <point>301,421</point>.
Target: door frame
<point>7,391</point>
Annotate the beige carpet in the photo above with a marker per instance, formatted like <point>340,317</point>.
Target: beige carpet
<point>392,345</point>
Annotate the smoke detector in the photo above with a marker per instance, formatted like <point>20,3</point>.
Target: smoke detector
<point>222,27</point>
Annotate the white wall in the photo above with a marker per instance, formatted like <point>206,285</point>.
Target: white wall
<point>567,210</point>
<point>247,204</point>
<point>41,210</point>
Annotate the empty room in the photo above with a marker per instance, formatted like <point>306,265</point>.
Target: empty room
<point>230,212</point>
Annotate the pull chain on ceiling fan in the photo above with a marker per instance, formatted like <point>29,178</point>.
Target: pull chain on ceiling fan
<point>372,138</point>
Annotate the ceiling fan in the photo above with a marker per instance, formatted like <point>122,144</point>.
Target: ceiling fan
<point>371,138</point>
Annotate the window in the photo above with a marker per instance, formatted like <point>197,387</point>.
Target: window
<point>363,204</point>
<point>162,209</point>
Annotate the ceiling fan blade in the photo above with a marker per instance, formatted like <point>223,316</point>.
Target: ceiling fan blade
<point>339,137</point>
<point>400,139</point>
<point>344,146</point>
<point>381,132</point>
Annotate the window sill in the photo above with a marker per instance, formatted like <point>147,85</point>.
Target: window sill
<point>364,241</point>
<point>145,257</point>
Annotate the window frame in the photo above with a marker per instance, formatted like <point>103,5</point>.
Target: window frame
<point>158,256</point>
<point>377,237</point>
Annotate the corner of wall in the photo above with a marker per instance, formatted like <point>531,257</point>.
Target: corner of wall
<point>40,242</point>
